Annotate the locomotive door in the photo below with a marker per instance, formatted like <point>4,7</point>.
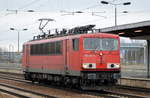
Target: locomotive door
<point>27,55</point>
<point>67,56</point>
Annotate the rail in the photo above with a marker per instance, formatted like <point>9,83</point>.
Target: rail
<point>102,93</point>
<point>20,92</point>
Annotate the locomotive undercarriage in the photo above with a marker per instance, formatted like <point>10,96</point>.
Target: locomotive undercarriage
<point>99,78</point>
<point>87,79</point>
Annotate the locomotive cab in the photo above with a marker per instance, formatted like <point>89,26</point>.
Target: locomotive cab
<point>100,59</point>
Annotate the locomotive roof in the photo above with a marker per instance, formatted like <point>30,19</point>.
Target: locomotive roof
<point>71,37</point>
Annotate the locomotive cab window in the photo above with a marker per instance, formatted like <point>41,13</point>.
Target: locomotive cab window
<point>75,44</point>
<point>108,44</point>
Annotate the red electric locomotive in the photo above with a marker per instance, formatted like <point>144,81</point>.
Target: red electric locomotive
<point>84,59</point>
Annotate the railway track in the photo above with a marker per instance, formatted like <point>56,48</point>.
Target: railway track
<point>20,92</point>
<point>114,94</point>
<point>96,93</point>
<point>133,88</point>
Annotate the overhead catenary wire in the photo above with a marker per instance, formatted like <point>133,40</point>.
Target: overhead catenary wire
<point>29,4</point>
<point>93,6</point>
<point>81,9</point>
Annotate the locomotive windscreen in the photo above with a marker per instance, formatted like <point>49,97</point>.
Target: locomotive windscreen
<point>107,44</point>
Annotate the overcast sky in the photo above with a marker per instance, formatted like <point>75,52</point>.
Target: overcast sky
<point>139,10</point>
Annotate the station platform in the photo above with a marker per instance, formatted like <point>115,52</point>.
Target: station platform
<point>135,82</point>
<point>18,71</point>
<point>11,68</point>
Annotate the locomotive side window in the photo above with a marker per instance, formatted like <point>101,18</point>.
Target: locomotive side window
<point>75,43</point>
<point>51,48</point>
<point>32,51</point>
<point>46,48</point>
<point>41,49</point>
<point>58,48</point>
<point>37,49</point>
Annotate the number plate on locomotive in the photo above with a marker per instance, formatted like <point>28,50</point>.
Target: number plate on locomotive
<point>92,76</point>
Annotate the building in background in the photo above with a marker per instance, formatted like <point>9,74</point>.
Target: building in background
<point>132,53</point>
<point>10,57</point>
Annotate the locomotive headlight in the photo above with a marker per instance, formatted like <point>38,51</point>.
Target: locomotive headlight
<point>117,65</point>
<point>113,65</point>
<point>89,65</point>
<point>85,65</point>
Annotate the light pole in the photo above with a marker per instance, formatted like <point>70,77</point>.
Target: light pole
<point>18,35</point>
<point>115,5</point>
<point>10,51</point>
